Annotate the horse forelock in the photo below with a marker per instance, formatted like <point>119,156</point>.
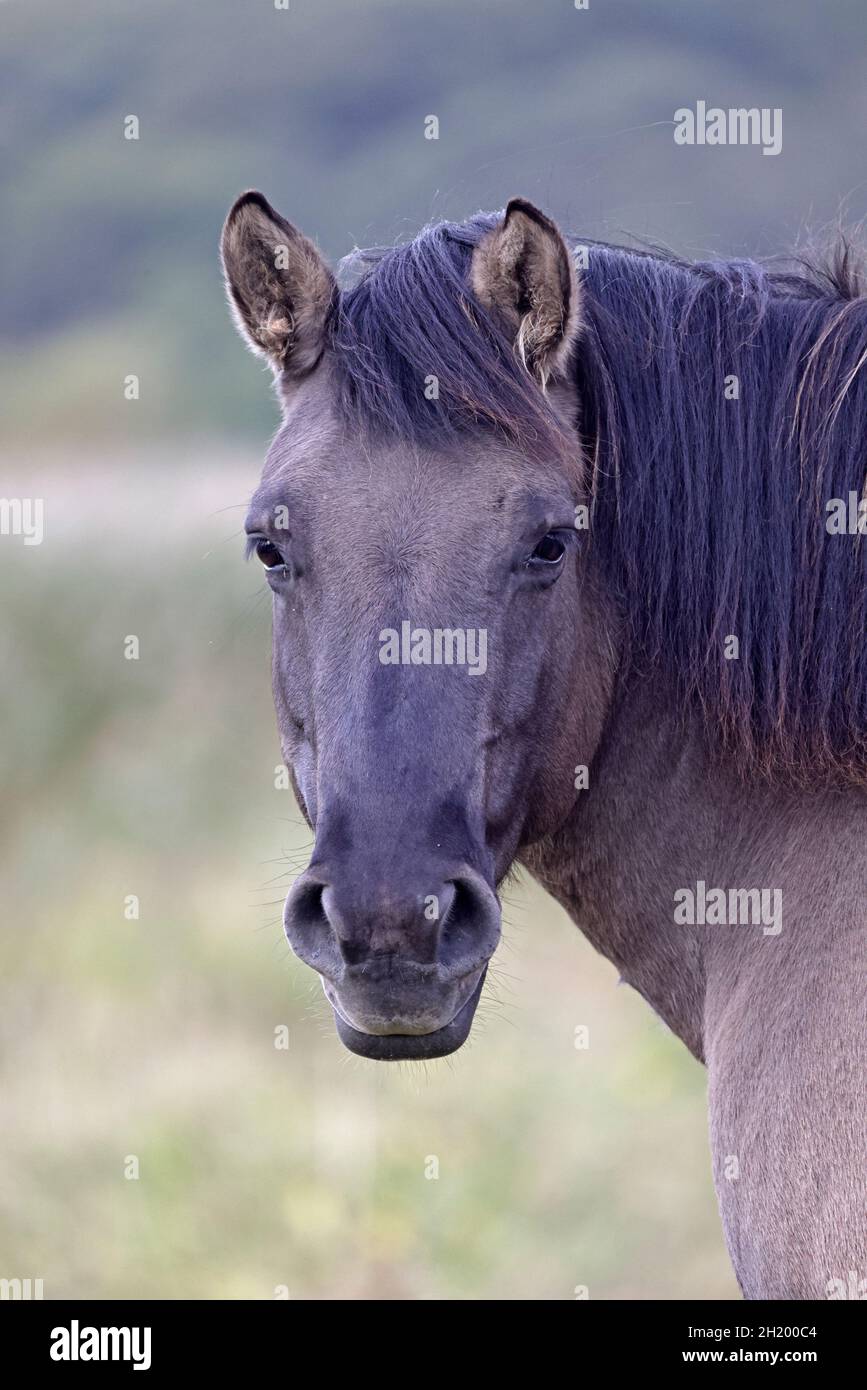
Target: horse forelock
<point>419,358</point>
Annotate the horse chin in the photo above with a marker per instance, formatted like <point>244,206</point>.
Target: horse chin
<point>411,1047</point>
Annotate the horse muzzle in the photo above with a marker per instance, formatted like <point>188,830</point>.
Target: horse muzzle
<point>392,1028</point>
<point>403,981</point>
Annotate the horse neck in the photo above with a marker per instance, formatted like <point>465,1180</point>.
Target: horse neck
<point>615,863</point>
<point>662,814</point>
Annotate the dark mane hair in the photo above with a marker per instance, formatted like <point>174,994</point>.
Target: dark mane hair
<point>411,316</point>
<point>723,406</point>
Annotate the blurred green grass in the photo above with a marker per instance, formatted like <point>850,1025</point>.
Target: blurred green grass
<point>261,1167</point>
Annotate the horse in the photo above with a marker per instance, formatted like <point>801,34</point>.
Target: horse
<point>642,480</point>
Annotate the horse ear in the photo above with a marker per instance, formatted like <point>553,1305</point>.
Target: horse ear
<point>280,289</point>
<point>523,273</point>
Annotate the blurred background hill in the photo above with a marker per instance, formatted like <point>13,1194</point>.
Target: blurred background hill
<point>110,244</point>
<point>154,1036</point>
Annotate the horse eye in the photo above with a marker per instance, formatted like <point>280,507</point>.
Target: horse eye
<point>269,554</point>
<point>550,550</point>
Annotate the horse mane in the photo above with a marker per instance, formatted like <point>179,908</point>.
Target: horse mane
<point>723,405</point>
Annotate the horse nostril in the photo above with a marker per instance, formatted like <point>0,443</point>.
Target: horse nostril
<point>470,928</point>
<point>308,928</point>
